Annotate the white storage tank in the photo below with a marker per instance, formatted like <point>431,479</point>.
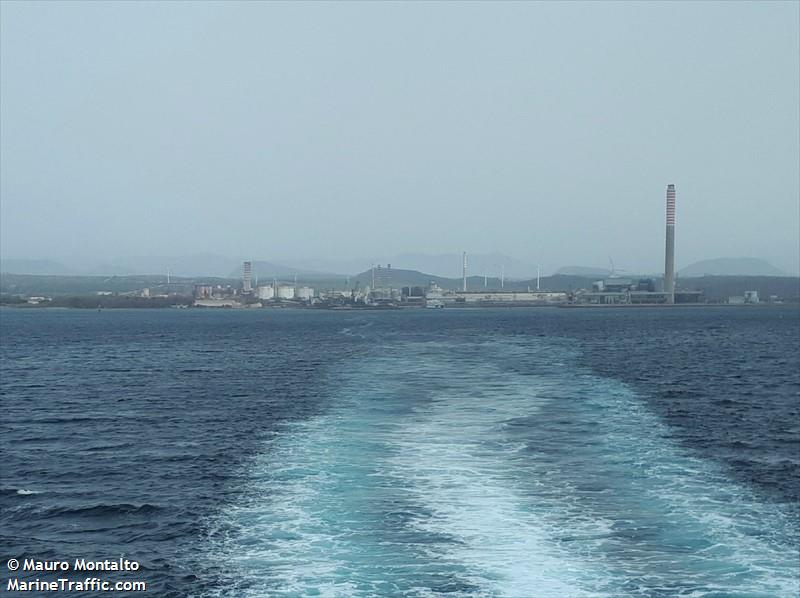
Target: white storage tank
<point>265,292</point>
<point>286,292</point>
<point>305,293</point>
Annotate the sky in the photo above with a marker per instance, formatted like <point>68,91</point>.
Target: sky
<point>545,131</point>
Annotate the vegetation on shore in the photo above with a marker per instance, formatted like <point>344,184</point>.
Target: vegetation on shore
<point>100,301</point>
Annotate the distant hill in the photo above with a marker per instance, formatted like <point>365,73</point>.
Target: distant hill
<point>266,271</point>
<point>184,265</point>
<point>731,266</point>
<point>450,264</point>
<point>719,288</point>
<point>40,267</point>
<point>404,278</point>
<point>583,271</point>
<point>441,264</point>
<point>341,266</point>
<point>24,284</point>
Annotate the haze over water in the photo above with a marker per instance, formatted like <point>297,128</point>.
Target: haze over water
<point>278,131</point>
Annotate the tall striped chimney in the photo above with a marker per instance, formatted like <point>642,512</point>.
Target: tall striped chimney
<point>669,258</point>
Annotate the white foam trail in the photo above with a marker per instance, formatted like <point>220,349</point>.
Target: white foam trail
<point>282,541</point>
<point>461,467</point>
<point>449,467</point>
<point>743,550</point>
<point>504,548</point>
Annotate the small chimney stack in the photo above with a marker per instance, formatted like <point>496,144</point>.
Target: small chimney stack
<point>464,284</point>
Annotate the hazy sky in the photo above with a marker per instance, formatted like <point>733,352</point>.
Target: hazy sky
<point>544,131</point>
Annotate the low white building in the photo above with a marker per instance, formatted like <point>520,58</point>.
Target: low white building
<point>495,297</point>
<point>216,303</point>
<point>512,297</point>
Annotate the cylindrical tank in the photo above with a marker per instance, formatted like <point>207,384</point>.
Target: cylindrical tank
<point>305,293</point>
<point>286,292</point>
<point>266,292</point>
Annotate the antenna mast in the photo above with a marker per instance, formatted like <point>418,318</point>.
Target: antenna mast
<point>464,266</point>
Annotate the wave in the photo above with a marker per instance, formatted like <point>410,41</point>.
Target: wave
<point>19,492</point>
<point>103,510</point>
<point>24,492</point>
<point>494,468</point>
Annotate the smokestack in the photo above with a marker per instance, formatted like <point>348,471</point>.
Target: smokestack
<point>669,258</point>
<point>247,277</point>
<point>464,285</point>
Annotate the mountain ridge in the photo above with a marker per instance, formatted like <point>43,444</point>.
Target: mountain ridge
<point>731,266</point>
<point>436,265</point>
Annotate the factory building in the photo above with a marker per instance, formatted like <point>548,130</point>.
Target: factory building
<point>626,291</point>
<point>613,291</point>
<point>510,298</point>
<point>749,298</point>
<point>203,291</point>
<point>438,297</point>
<point>622,285</point>
<point>382,277</point>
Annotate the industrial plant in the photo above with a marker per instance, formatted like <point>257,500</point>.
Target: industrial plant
<point>643,291</point>
<point>381,292</point>
<point>383,287</point>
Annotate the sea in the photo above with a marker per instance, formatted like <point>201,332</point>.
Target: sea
<point>514,453</point>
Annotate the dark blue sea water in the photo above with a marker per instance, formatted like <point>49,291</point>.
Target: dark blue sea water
<point>517,452</point>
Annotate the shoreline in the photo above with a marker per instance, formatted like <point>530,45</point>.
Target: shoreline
<point>409,307</point>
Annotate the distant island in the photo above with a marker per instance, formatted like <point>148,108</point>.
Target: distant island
<point>438,266</point>
<point>731,266</point>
